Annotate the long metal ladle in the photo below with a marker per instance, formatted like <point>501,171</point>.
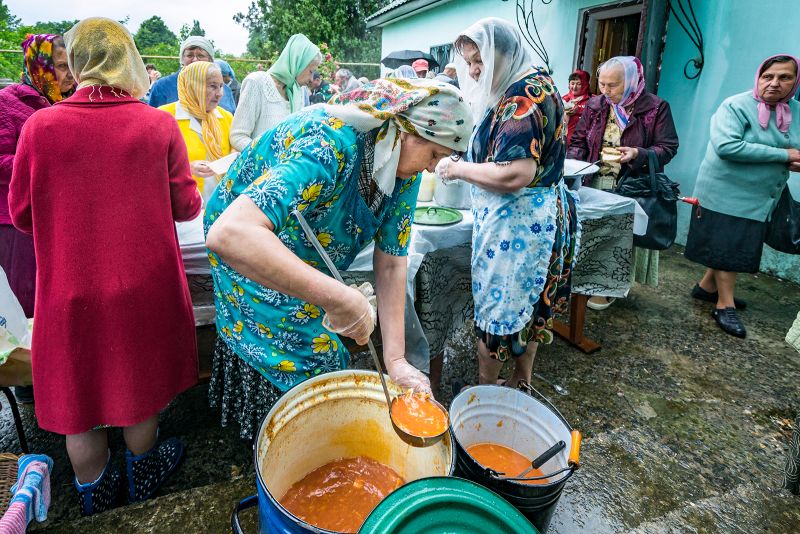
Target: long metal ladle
<point>335,272</point>
<point>411,439</point>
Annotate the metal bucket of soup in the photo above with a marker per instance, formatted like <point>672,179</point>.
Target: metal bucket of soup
<point>330,417</point>
<point>507,421</point>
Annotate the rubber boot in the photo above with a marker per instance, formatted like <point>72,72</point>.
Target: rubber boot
<point>148,471</point>
<point>102,494</point>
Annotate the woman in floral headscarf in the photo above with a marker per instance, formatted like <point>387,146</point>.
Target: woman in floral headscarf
<point>526,228</point>
<point>46,79</point>
<point>351,168</point>
<point>115,338</point>
<point>619,127</point>
<point>205,126</point>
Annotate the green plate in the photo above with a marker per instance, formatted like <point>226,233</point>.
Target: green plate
<point>445,504</point>
<point>436,216</point>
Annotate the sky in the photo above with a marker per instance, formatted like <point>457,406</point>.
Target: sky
<point>216,17</point>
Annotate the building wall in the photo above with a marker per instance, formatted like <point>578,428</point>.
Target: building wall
<point>557,23</point>
<point>734,47</point>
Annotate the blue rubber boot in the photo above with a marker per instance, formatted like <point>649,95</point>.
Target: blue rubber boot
<point>148,471</point>
<point>102,494</point>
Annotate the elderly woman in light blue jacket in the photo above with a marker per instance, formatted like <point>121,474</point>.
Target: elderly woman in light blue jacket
<point>755,137</point>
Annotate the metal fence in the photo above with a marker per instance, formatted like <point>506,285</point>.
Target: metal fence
<point>246,65</point>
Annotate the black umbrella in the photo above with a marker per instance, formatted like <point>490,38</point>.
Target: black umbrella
<point>406,57</point>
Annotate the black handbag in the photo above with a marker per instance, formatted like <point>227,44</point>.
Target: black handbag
<point>783,229</point>
<point>658,197</point>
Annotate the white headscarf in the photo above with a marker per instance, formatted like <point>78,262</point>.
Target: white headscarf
<point>505,60</point>
<point>197,41</point>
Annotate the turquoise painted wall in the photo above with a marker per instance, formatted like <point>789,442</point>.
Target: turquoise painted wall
<point>557,23</point>
<point>738,34</point>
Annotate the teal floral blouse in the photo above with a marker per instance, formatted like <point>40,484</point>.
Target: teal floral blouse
<point>310,162</point>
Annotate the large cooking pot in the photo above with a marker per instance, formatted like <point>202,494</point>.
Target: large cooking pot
<point>336,415</point>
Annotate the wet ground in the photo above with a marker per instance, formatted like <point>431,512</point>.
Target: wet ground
<point>685,428</point>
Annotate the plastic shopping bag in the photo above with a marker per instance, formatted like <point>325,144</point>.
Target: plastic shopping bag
<point>15,328</point>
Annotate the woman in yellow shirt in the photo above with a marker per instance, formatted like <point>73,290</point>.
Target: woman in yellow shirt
<point>205,126</point>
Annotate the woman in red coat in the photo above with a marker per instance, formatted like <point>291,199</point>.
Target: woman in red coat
<point>98,180</point>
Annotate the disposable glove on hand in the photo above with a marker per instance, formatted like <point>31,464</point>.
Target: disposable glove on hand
<point>408,377</point>
<point>358,317</point>
<point>444,170</point>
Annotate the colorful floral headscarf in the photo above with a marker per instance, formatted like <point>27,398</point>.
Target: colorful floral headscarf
<point>433,110</point>
<point>634,86</point>
<point>38,69</point>
<point>783,114</point>
<point>192,84</point>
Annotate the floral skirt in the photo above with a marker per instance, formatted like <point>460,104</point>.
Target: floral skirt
<point>240,392</point>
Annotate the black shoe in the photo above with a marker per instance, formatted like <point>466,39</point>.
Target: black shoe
<point>701,294</point>
<point>728,320</point>
<point>24,394</point>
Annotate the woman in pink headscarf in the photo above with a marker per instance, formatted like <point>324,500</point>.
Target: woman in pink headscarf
<point>620,127</point>
<point>755,137</point>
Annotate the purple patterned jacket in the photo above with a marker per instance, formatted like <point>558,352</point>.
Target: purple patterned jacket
<point>650,127</point>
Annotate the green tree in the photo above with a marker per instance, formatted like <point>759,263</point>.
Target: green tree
<point>152,32</point>
<point>340,24</point>
<point>194,29</point>
<point>59,27</point>
<point>9,39</point>
<point>8,22</point>
<point>13,32</point>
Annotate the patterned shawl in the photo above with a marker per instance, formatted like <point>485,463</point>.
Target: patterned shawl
<point>38,69</point>
<point>192,83</point>
<point>634,86</point>
<point>433,110</point>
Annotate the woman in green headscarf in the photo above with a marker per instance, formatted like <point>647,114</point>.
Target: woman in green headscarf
<point>267,98</point>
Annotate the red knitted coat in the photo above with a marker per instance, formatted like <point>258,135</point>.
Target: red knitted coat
<point>98,180</point>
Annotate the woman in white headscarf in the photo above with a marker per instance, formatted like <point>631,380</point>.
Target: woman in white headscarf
<point>351,168</point>
<point>526,229</point>
<point>405,71</point>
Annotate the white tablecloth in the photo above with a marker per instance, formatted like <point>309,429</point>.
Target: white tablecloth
<point>594,204</point>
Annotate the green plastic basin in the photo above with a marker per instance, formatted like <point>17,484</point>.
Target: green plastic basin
<point>445,504</point>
